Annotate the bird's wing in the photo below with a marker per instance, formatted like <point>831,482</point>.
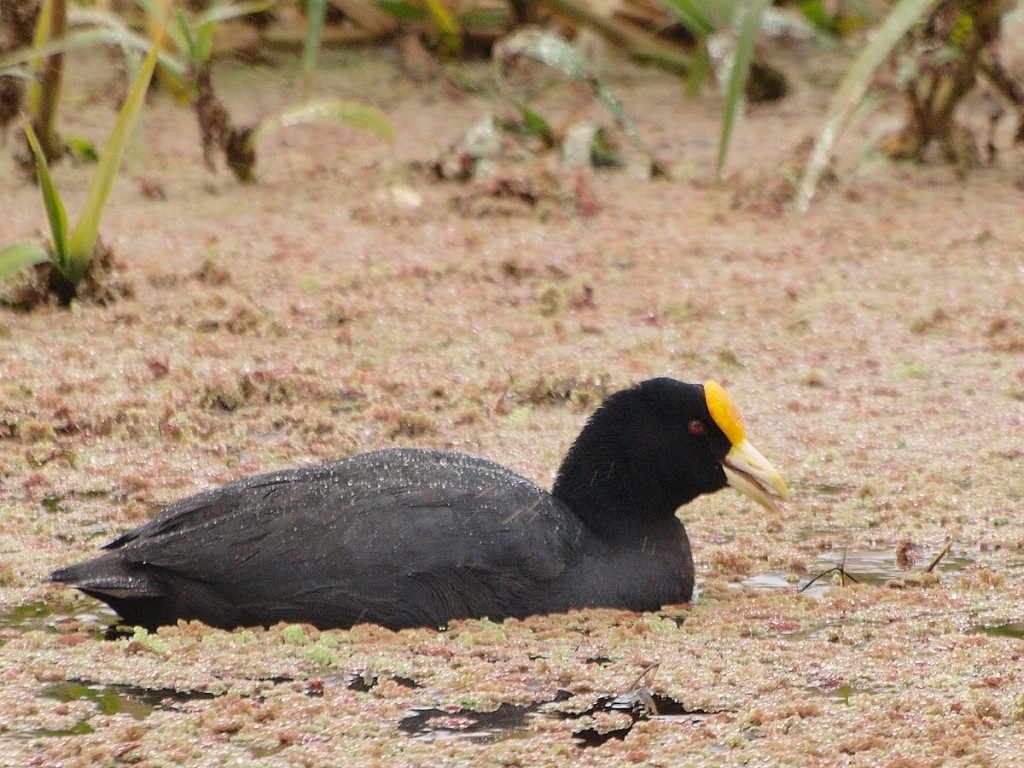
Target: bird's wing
<point>213,508</point>
<point>381,533</point>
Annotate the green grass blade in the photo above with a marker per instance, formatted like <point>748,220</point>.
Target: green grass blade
<point>203,50</point>
<point>851,91</point>
<point>692,15</point>
<point>534,123</point>
<point>699,72</point>
<point>205,23</point>
<point>152,10</point>
<point>401,10</point>
<point>339,110</point>
<point>83,238</point>
<point>42,31</point>
<point>816,13</point>
<point>203,29</point>
<point>94,17</point>
<point>85,38</point>
<point>55,213</point>
<point>174,31</point>
<point>19,72</point>
<point>749,27</point>
<point>15,258</point>
<point>82,149</point>
<point>219,12</point>
<point>90,38</point>
<point>447,26</point>
<point>484,18</point>
<point>316,12</point>
<point>188,35</point>
<point>39,39</point>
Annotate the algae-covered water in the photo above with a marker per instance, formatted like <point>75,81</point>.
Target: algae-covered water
<point>349,302</point>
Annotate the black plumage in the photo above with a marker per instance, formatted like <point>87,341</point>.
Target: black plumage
<point>411,537</point>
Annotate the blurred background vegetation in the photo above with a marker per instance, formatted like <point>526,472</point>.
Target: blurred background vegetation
<point>928,55</point>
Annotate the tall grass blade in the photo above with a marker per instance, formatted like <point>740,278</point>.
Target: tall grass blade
<point>159,13</point>
<point>699,72</point>
<point>816,13</point>
<point>188,36</point>
<point>401,10</point>
<point>15,258</point>
<point>749,27</point>
<point>202,30</point>
<point>484,18</point>
<point>55,213</point>
<point>83,238</point>
<point>90,38</point>
<point>219,12</point>
<point>205,24</point>
<point>174,78</point>
<point>39,39</point>
<point>316,12</point>
<point>447,25</point>
<point>203,50</point>
<point>693,15</point>
<point>156,11</point>
<point>851,91</point>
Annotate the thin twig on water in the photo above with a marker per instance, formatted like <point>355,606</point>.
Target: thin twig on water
<point>938,558</point>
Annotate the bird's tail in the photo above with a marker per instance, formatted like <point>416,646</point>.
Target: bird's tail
<point>108,575</point>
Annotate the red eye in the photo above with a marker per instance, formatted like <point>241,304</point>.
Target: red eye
<point>696,427</point>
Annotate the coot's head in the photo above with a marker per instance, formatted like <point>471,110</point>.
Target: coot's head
<point>653,447</point>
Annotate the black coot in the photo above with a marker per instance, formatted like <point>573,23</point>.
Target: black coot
<point>408,537</point>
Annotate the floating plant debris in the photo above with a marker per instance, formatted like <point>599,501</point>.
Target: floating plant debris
<point>513,720</point>
<point>639,704</point>
<point>365,679</point>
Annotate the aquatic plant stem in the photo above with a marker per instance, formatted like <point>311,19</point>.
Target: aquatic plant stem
<point>45,118</point>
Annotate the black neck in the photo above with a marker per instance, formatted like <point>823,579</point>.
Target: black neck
<point>611,485</point>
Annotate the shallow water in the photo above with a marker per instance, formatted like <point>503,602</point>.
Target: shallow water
<point>506,722</point>
<point>864,566</point>
<point>136,701</point>
<point>841,693</point>
<point>1013,630</point>
<point>40,616</point>
<point>510,721</point>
